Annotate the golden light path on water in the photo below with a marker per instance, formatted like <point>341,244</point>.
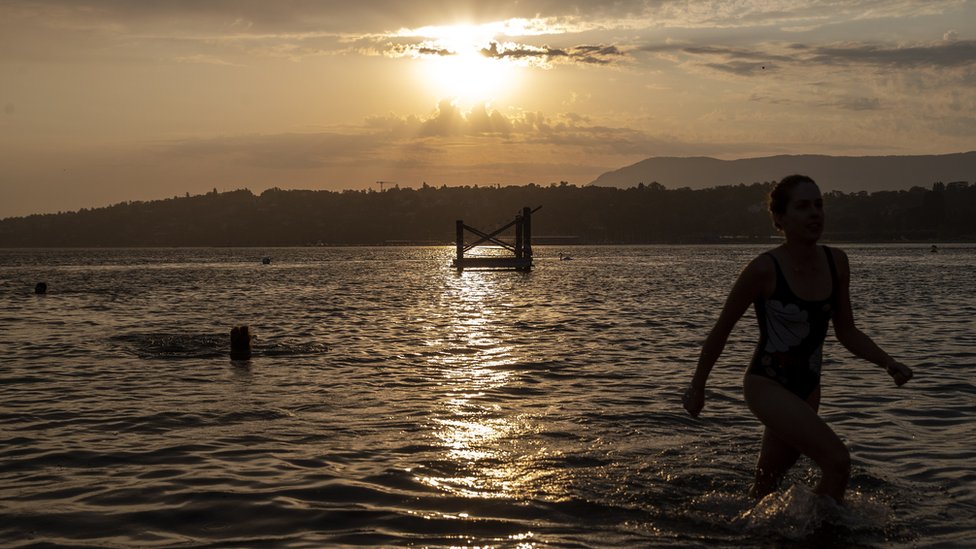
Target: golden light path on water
<point>491,445</point>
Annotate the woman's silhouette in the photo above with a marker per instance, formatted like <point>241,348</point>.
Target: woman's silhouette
<point>796,289</point>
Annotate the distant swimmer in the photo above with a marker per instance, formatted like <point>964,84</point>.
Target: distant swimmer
<point>935,249</point>
<point>266,260</point>
<point>40,288</point>
<point>796,289</point>
<point>564,257</point>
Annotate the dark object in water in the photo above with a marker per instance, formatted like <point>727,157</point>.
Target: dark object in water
<point>521,258</point>
<point>266,260</point>
<point>41,288</point>
<point>240,343</point>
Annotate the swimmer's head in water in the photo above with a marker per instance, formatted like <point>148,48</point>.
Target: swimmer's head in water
<point>782,193</point>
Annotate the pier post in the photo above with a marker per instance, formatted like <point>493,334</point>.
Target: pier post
<point>240,343</point>
<point>518,236</point>
<point>460,244</point>
<point>527,233</point>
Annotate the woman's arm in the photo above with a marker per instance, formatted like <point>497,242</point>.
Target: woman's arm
<point>853,338</point>
<point>750,285</point>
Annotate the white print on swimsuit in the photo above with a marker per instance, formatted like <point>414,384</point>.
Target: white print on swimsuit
<point>786,326</point>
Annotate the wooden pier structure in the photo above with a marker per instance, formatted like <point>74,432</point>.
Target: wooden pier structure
<point>521,258</point>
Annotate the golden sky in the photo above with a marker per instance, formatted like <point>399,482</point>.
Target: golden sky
<point>103,101</point>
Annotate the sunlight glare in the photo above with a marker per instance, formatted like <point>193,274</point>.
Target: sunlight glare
<point>487,444</point>
<point>461,71</point>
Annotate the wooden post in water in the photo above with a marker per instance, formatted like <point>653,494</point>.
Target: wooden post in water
<point>518,236</point>
<point>460,244</point>
<point>527,235</point>
<point>240,343</point>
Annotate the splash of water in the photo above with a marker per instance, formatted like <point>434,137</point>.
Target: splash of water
<point>799,513</point>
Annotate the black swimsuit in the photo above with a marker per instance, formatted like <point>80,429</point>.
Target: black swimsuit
<point>791,334</point>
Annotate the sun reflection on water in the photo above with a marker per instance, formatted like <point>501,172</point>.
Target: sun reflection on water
<point>487,442</point>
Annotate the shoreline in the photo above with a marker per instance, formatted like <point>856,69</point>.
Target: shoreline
<point>942,244</point>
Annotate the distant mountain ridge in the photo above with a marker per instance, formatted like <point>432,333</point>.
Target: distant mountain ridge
<point>843,173</point>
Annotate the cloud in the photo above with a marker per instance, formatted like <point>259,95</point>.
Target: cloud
<point>751,62</point>
<point>379,16</point>
<point>204,59</point>
<point>569,134</point>
<point>417,139</point>
<point>544,55</point>
<point>448,121</point>
<point>959,53</point>
<point>842,102</point>
<point>289,152</point>
<point>539,32</point>
<point>741,68</point>
<point>739,61</point>
<point>538,56</point>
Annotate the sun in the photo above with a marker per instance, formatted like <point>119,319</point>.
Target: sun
<point>459,65</point>
<point>468,77</point>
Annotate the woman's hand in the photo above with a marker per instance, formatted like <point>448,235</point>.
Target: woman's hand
<point>694,400</point>
<point>899,372</point>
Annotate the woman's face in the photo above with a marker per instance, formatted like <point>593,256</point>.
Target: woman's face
<point>804,216</point>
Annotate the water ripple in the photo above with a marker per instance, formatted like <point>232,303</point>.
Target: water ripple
<point>390,401</point>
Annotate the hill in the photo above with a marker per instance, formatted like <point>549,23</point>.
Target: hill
<point>832,173</point>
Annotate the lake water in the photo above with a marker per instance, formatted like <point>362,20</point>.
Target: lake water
<point>391,401</point>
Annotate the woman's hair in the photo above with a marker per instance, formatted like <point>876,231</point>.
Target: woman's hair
<point>780,196</point>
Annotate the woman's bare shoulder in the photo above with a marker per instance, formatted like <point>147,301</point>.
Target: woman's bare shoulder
<point>762,265</point>
<point>838,253</point>
<point>759,275</point>
<point>840,258</point>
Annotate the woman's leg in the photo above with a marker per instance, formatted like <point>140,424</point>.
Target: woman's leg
<point>776,457</point>
<point>797,425</point>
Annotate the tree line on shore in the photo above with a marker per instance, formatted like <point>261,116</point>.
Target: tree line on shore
<point>643,214</point>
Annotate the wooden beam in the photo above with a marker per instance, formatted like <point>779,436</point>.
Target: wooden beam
<point>459,226</point>
<point>493,263</point>
<point>488,237</point>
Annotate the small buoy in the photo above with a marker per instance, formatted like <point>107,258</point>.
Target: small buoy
<point>240,343</point>
<point>40,288</point>
<point>935,249</point>
<point>266,260</point>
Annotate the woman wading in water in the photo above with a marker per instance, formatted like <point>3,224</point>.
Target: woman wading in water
<point>797,289</point>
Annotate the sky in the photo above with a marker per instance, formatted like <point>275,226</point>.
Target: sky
<point>106,101</point>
